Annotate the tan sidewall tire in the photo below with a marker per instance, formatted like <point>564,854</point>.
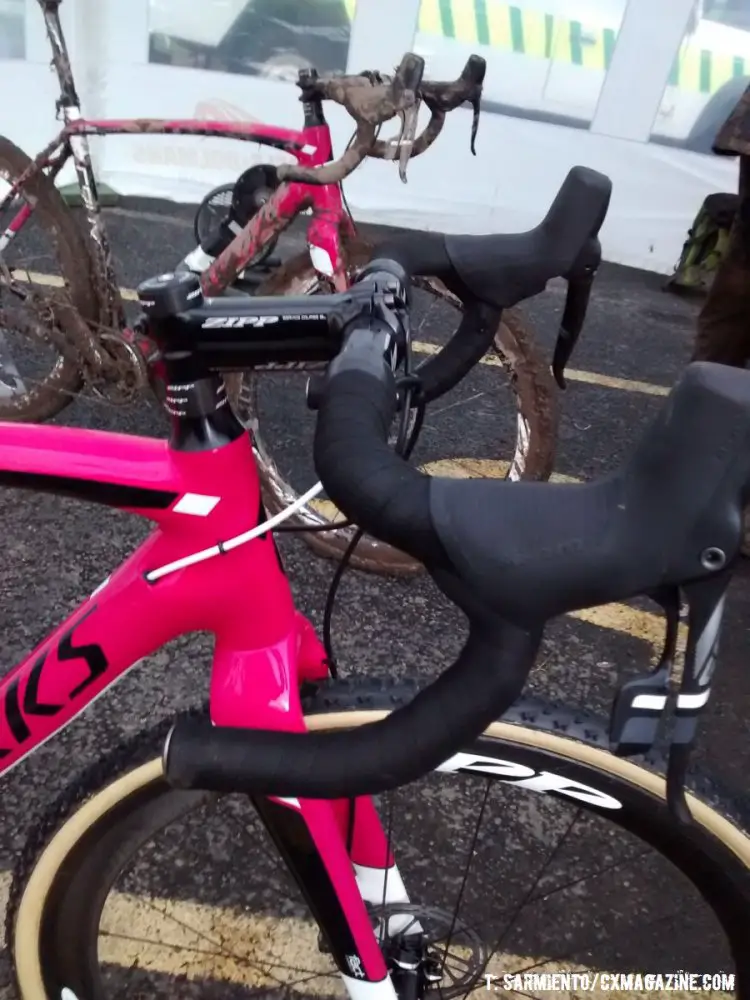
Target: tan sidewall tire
<point>36,891</point>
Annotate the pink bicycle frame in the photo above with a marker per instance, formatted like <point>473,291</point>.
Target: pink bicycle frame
<point>264,647</point>
<point>311,147</point>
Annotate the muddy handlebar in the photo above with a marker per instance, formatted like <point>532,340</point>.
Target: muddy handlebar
<point>441,98</point>
<point>370,100</point>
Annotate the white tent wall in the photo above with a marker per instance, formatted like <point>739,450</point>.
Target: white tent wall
<point>520,162</point>
<point>27,111</point>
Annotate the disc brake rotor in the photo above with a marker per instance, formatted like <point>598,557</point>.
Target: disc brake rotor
<point>452,955</point>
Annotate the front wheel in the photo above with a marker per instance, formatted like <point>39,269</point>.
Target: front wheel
<point>515,406</point>
<point>545,855</point>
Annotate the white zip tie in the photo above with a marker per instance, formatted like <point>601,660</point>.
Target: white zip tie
<point>217,550</point>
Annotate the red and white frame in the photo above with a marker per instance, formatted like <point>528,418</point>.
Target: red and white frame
<point>264,647</point>
<point>310,146</point>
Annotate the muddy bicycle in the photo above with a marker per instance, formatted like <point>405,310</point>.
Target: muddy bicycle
<point>80,335</point>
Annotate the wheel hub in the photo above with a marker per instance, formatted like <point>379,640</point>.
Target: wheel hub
<point>426,948</point>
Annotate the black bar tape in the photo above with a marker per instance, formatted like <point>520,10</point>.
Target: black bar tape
<point>418,253</point>
<point>425,254</point>
<point>466,348</point>
<point>446,716</point>
<point>363,476</point>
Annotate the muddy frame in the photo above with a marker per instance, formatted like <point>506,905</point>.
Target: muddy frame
<point>311,147</point>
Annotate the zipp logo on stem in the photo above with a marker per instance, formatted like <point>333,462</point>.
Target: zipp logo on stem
<point>232,322</point>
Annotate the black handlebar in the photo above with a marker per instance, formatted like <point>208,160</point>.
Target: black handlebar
<point>475,71</point>
<point>492,273</point>
<point>510,555</point>
<point>372,98</point>
<point>409,73</point>
<point>468,88</point>
<point>441,98</point>
<point>487,677</point>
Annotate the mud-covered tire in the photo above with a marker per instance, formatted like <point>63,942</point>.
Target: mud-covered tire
<point>75,303</point>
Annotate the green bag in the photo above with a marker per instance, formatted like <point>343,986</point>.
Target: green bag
<point>705,245</point>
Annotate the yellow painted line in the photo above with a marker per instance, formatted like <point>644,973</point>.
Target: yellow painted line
<point>422,347</point>
<point>196,942</point>
<point>41,279</point>
<point>643,625</point>
<point>613,617</point>
<point>200,942</point>
<point>327,509</point>
<point>55,281</point>
<point>480,468</point>
<point>609,381</point>
<point>612,382</point>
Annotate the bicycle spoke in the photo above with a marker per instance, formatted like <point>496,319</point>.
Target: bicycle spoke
<point>521,906</point>
<point>547,895</point>
<point>567,955</point>
<point>219,949</point>
<point>470,856</point>
<point>11,382</point>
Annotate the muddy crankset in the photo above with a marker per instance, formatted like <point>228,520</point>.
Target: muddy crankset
<point>123,373</point>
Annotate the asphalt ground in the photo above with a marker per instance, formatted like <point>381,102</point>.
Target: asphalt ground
<point>57,551</point>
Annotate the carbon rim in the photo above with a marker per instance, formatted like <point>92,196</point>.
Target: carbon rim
<point>716,853</point>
